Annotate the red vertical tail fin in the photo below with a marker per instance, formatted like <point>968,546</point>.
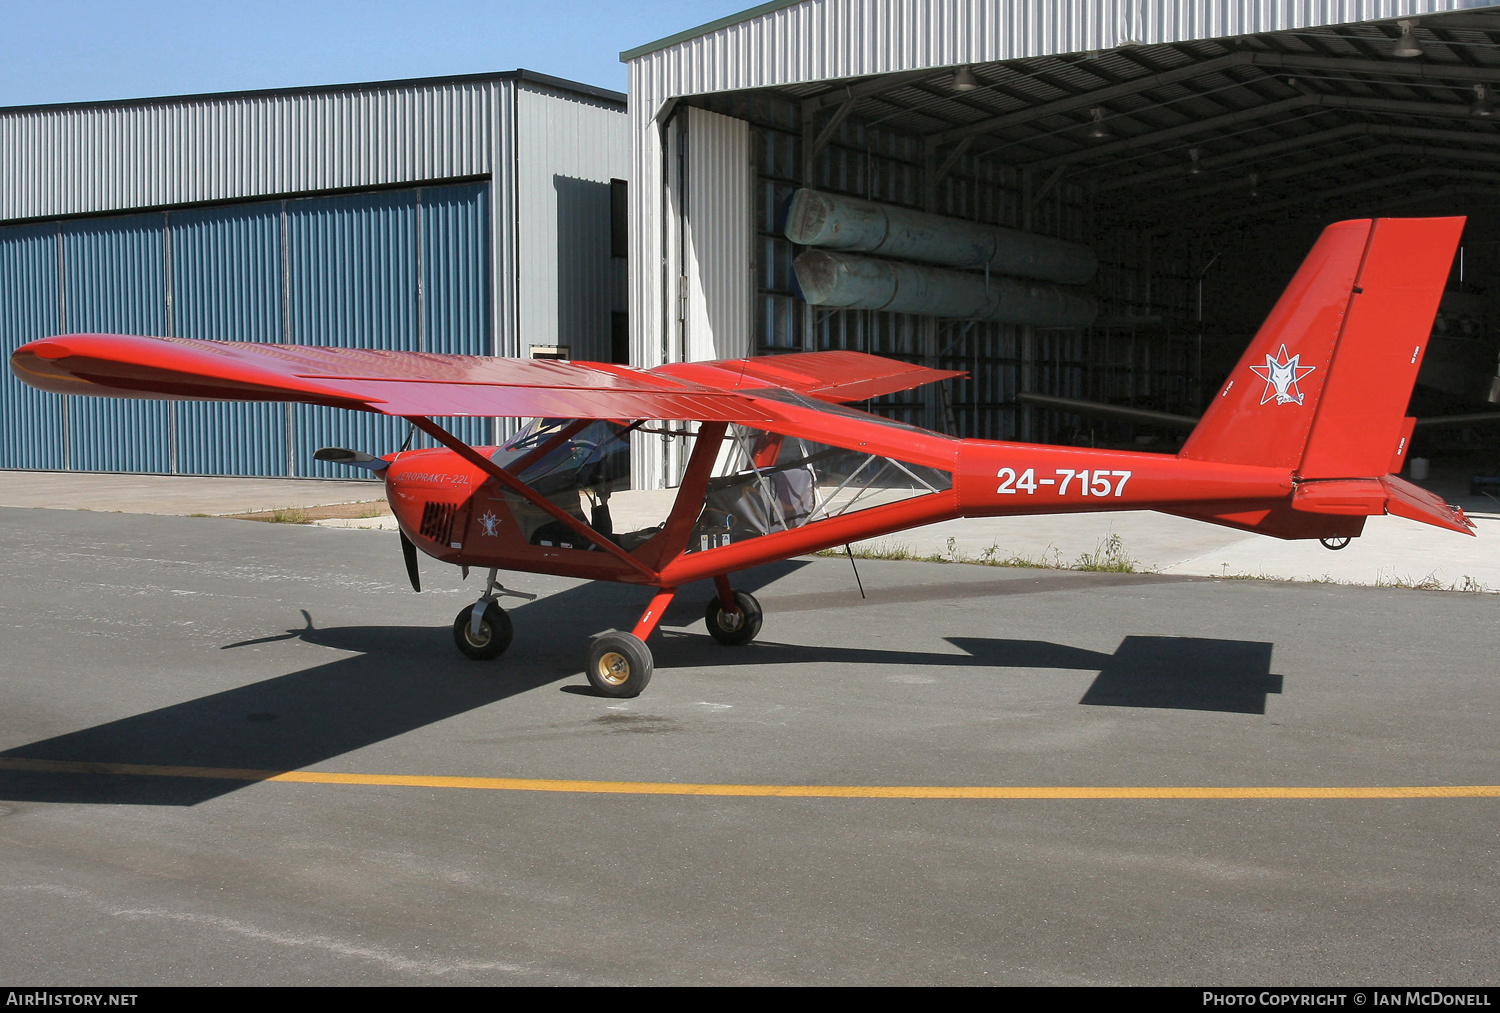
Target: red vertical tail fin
<point>1322,390</point>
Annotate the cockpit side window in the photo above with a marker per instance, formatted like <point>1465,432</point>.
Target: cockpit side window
<point>767,482</point>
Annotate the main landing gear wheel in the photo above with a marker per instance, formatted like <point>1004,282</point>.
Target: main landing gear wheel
<point>492,637</point>
<point>734,627</point>
<point>619,665</point>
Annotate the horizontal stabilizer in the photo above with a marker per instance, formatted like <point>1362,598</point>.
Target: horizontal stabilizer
<point>1371,497</point>
<point>1417,504</point>
<point>1352,497</point>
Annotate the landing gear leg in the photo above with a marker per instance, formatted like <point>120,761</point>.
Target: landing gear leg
<point>733,617</point>
<point>483,630</point>
<point>620,664</point>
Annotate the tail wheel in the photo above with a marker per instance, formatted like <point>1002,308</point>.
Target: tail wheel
<point>619,665</point>
<point>1335,542</point>
<point>492,637</point>
<point>734,627</point>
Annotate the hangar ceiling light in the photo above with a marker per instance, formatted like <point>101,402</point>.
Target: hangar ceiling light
<point>1407,46</point>
<point>964,80</point>
<point>1482,105</point>
<point>1098,131</point>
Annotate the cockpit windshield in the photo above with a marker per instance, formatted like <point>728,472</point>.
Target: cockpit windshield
<point>574,463</point>
<point>591,455</point>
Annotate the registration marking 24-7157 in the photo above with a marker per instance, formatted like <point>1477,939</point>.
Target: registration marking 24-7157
<point>1090,483</point>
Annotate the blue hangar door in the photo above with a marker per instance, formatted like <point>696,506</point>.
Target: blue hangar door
<point>399,269</point>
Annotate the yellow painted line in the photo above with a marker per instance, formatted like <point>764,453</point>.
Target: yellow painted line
<point>751,790</point>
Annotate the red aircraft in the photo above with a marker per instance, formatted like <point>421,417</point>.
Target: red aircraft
<point>1303,441</point>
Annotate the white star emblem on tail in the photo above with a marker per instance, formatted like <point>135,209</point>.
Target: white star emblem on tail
<point>1282,374</point>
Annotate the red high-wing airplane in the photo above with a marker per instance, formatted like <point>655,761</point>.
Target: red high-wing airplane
<point>1303,441</point>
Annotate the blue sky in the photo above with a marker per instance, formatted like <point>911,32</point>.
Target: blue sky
<point>80,51</point>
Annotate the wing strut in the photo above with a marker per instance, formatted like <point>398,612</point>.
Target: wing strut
<point>525,491</point>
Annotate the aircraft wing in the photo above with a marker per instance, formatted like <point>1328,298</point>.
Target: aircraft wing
<point>837,376</point>
<point>389,382</point>
<point>416,383</point>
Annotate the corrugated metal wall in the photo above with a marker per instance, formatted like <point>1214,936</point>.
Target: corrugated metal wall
<point>718,237</point>
<point>227,274</point>
<point>33,423</point>
<point>69,160</point>
<point>114,279</point>
<point>404,269</point>
<point>568,148</point>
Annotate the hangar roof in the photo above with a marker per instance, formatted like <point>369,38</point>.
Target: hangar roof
<point>528,76</point>
<point>1239,126</point>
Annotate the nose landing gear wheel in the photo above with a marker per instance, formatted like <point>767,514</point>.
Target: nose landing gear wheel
<point>619,665</point>
<point>730,627</point>
<point>492,638</point>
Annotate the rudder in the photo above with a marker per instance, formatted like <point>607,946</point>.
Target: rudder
<point>1361,417</point>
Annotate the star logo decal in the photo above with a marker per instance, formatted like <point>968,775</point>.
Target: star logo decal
<point>490,523</point>
<point>1282,374</point>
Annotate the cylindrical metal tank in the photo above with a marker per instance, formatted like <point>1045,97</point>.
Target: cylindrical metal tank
<point>836,222</point>
<point>854,282</point>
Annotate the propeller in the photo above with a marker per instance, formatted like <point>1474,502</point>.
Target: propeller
<point>371,463</point>
<point>409,551</point>
<point>352,458</point>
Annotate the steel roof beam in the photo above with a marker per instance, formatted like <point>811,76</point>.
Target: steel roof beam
<point>1392,68</point>
<point>834,122</point>
<point>866,89</point>
<point>1384,150</point>
<point>1473,175</point>
<point>1188,129</point>
<point>1456,190</point>
<point>1464,190</point>
<point>1258,151</point>
<point>1264,60</point>
<point>1092,98</point>
<point>1306,141</point>
<point>1399,107</point>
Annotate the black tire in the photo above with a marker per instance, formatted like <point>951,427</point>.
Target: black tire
<point>619,665</point>
<point>495,632</point>
<point>728,628</point>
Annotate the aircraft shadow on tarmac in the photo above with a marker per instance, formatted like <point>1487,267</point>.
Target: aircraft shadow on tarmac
<point>404,678</point>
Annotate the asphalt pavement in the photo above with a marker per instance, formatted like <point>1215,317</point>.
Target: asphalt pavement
<point>188,658</point>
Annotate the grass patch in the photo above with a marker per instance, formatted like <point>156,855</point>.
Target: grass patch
<point>1467,585</point>
<point>1429,583</point>
<point>1109,556</point>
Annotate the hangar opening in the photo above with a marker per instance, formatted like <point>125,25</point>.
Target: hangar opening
<point>1194,174</point>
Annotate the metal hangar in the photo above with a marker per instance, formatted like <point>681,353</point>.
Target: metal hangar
<point>468,214</point>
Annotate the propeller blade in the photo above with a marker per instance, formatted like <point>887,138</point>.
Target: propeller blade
<point>352,458</point>
<point>410,552</point>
